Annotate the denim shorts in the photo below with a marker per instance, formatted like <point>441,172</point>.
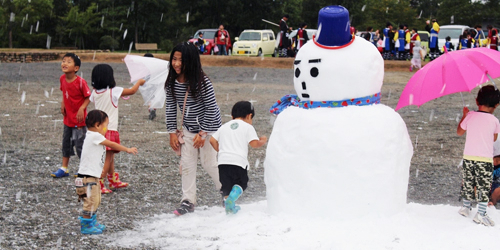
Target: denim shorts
<point>73,137</point>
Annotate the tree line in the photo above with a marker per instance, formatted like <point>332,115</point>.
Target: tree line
<point>115,24</point>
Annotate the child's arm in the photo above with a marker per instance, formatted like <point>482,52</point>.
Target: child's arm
<point>214,143</point>
<point>134,89</point>
<point>495,136</point>
<point>119,147</point>
<point>63,108</point>
<point>258,143</point>
<point>460,130</point>
<point>81,111</point>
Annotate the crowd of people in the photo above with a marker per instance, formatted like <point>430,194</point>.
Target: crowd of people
<point>398,43</point>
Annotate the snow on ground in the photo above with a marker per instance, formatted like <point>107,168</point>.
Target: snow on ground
<point>418,227</point>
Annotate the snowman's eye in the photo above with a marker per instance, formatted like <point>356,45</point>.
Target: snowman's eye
<point>297,72</point>
<point>314,72</point>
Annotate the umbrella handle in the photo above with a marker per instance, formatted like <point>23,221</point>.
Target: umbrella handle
<point>491,79</point>
<point>461,95</point>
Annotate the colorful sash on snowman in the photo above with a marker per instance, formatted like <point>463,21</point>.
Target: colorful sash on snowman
<point>293,100</point>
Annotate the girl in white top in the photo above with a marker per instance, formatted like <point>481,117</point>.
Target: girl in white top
<point>105,96</point>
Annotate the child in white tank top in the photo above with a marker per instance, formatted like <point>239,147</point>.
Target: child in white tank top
<point>105,96</point>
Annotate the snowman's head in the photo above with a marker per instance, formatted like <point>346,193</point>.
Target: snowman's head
<point>335,65</point>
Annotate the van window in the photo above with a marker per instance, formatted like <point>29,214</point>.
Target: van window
<point>265,35</point>
<point>271,36</point>
<point>424,37</point>
<point>452,33</point>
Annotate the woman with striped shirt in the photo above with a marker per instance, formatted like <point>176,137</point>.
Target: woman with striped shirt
<point>201,119</point>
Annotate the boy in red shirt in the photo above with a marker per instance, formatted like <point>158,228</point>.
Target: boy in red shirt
<point>76,95</point>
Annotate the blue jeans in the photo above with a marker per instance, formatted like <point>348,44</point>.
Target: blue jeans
<point>222,49</point>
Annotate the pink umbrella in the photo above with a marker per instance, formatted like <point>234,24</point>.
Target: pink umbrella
<point>452,72</point>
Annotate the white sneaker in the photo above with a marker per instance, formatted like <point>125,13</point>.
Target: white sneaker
<point>484,219</point>
<point>464,211</point>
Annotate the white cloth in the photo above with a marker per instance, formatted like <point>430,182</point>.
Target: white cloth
<point>233,138</point>
<point>93,155</point>
<point>107,101</point>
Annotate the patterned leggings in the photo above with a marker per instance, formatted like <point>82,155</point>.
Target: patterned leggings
<point>476,174</point>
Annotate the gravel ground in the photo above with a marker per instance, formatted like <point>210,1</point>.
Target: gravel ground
<point>38,211</point>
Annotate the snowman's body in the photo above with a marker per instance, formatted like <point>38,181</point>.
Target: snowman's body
<point>338,162</point>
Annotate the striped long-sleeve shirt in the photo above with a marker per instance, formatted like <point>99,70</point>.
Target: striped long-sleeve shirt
<point>203,114</point>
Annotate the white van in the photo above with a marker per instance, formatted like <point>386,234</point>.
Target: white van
<point>453,31</point>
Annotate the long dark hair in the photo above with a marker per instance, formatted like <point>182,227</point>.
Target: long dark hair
<point>191,68</point>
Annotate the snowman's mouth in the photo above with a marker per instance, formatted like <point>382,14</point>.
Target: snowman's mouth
<point>305,95</point>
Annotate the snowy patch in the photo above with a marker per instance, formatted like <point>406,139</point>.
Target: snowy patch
<point>417,227</point>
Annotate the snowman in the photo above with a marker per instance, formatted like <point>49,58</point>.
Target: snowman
<point>334,150</point>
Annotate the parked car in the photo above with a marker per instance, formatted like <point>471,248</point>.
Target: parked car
<point>310,33</point>
<point>254,43</point>
<point>209,36</point>
<point>453,31</point>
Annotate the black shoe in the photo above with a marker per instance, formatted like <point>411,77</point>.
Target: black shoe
<point>152,114</point>
<point>186,207</point>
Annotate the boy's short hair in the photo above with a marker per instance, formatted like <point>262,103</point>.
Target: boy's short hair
<point>75,58</point>
<point>448,38</point>
<point>488,96</point>
<point>95,117</point>
<point>148,55</point>
<point>241,109</point>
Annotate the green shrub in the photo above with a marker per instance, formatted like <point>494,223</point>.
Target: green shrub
<point>108,42</point>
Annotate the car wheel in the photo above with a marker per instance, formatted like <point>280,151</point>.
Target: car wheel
<point>259,53</point>
<point>275,53</point>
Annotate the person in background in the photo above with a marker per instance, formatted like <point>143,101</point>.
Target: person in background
<point>221,39</point>
<point>414,37</point>
<point>284,41</point>
<point>387,41</point>
<point>399,38</point>
<point>433,41</point>
<point>368,36</point>
<point>494,40</point>
<point>301,38</point>
<point>478,36</point>
<point>376,37</point>
<point>407,41</point>
<point>416,60</point>
<point>490,32</point>
<point>200,43</point>
<point>449,46</point>
<point>152,111</point>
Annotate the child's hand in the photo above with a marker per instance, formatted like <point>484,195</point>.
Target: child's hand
<point>79,115</point>
<point>465,111</point>
<point>263,139</point>
<point>132,150</point>
<point>141,82</point>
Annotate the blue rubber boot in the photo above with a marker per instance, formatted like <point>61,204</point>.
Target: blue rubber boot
<point>97,224</point>
<point>231,199</point>
<point>87,226</point>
